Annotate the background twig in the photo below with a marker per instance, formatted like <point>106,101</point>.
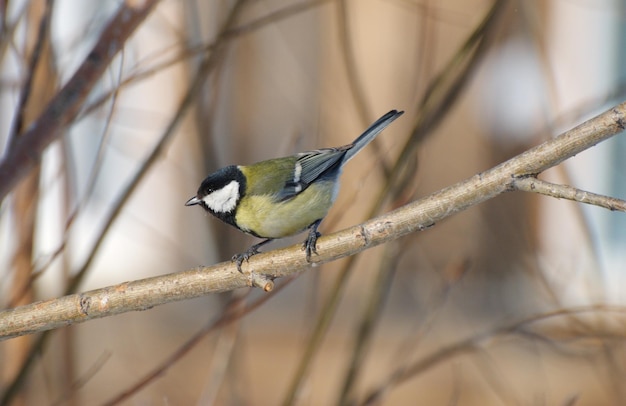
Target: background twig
<point>65,106</point>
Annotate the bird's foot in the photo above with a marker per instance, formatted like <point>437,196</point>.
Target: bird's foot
<point>245,256</point>
<point>309,245</point>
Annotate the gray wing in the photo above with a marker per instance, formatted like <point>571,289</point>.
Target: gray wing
<point>312,165</point>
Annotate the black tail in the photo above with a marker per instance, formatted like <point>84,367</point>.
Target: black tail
<point>371,133</point>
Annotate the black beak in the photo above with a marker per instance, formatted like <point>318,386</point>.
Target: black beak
<point>193,201</point>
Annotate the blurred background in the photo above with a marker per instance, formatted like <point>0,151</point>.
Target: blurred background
<point>456,314</point>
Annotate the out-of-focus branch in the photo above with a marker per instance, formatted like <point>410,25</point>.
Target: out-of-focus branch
<point>433,107</point>
<point>206,66</point>
<point>234,311</point>
<point>36,128</point>
<point>65,106</point>
<point>419,215</point>
<point>476,342</point>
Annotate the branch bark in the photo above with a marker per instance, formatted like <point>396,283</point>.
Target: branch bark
<point>419,215</point>
<point>534,185</point>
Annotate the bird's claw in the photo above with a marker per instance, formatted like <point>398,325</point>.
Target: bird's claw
<point>244,256</point>
<point>309,245</point>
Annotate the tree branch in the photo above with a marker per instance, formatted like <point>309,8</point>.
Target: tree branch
<point>419,215</point>
<point>532,184</point>
<point>476,342</point>
<point>65,106</point>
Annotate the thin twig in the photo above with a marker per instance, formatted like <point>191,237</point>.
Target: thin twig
<point>193,51</point>
<point>230,314</point>
<point>40,268</point>
<point>60,111</point>
<point>472,344</point>
<point>35,57</point>
<point>86,377</point>
<point>532,184</point>
<point>374,307</point>
<point>355,86</point>
<point>433,107</point>
<point>322,324</point>
<point>65,106</point>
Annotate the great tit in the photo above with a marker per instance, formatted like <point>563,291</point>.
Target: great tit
<point>284,196</point>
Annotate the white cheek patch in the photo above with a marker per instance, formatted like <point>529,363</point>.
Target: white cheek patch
<point>223,200</point>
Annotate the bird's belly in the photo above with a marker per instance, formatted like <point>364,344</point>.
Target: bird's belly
<point>262,216</point>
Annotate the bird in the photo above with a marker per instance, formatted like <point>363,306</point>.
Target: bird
<point>282,197</point>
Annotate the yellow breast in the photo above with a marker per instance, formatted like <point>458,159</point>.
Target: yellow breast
<point>266,218</point>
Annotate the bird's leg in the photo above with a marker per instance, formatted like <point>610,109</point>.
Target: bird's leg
<point>239,258</point>
<point>311,240</point>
